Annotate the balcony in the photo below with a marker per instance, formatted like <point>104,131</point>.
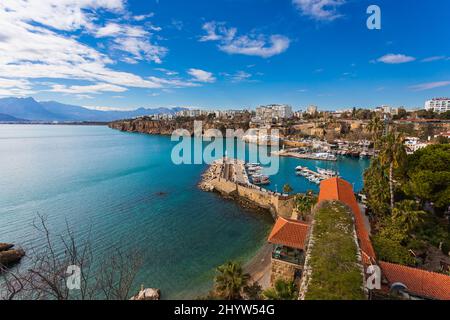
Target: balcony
<point>287,254</point>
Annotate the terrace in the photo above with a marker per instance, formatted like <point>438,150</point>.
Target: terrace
<point>288,254</point>
<point>288,238</point>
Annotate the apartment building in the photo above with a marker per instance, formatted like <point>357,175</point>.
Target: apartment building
<point>438,105</point>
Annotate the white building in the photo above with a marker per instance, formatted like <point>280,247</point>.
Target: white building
<point>311,110</point>
<point>261,136</point>
<point>438,105</point>
<point>413,144</point>
<point>282,111</point>
<point>274,111</point>
<point>191,113</point>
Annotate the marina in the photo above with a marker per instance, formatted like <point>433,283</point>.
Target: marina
<point>254,171</point>
<point>297,153</point>
<point>313,176</point>
<point>316,149</point>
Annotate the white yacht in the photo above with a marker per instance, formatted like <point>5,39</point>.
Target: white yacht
<point>327,172</point>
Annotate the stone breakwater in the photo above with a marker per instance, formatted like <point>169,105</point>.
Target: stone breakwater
<point>230,180</point>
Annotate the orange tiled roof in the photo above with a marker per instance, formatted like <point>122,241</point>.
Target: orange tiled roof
<point>418,282</point>
<point>341,190</point>
<point>290,233</point>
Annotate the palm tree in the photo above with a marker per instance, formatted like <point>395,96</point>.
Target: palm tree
<point>253,291</point>
<point>230,281</point>
<point>287,188</point>
<point>376,127</point>
<point>283,290</point>
<point>305,202</point>
<point>407,214</point>
<point>392,154</point>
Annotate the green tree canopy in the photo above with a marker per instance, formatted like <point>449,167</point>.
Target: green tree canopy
<point>283,290</point>
<point>408,215</point>
<point>428,175</point>
<point>230,281</point>
<point>287,188</point>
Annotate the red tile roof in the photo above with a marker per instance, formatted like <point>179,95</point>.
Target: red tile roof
<point>291,233</point>
<point>419,282</point>
<point>341,190</point>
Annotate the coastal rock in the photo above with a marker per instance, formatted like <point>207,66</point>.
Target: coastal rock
<point>5,246</point>
<point>147,294</point>
<point>10,257</point>
<point>167,127</point>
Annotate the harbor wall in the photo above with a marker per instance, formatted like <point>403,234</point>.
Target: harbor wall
<point>277,204</point>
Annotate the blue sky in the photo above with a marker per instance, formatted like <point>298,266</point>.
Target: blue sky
<point>225,53</point>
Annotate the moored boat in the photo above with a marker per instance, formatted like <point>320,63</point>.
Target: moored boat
<point>260,179</point>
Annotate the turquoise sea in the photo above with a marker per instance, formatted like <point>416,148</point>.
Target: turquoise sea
<point>124,190</point>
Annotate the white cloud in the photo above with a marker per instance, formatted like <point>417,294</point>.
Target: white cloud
<point>251,45</point>
<point>15,87</point>
<point>83,96</point>
<point>434,58</point>
<point>395,58</point>
<point>239,76</point>
<point>143,16</point>
<point>177,24</point>
<point>201,75</point>
<point>67,15</point>
<point>140,49</point>
<point>36,43</point>
<point>103,108</point>
<point>430,85</point>
<point>133,40</point>
<point>96,88</point>
<point>261,47</point>
<point>325,10</point>
<point>167,72</point>
<point>15,83</point>
<point>217,31</point>
<point>109,30</point>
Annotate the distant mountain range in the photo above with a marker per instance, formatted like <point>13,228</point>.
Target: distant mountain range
<point>28,109</point>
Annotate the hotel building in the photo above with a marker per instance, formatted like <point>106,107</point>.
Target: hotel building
<point>438,105</point>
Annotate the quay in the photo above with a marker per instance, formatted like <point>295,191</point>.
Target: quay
<point>229,178</point>
<point>323,156</point>
<point>313,176</point>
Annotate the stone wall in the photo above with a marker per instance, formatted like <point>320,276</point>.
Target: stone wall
<point>276,204</point>
<point>284,206</point>
<point>282,270</point>
<point>263,199</point>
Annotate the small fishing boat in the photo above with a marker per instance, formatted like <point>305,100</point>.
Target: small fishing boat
<point>259,179</point>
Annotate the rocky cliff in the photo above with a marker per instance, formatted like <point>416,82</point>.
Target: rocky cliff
<point>167,127</point>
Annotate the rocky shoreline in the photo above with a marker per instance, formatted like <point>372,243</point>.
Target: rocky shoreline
<point>167,127</point>
<point>9,256</point>
<point>207,177</point>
